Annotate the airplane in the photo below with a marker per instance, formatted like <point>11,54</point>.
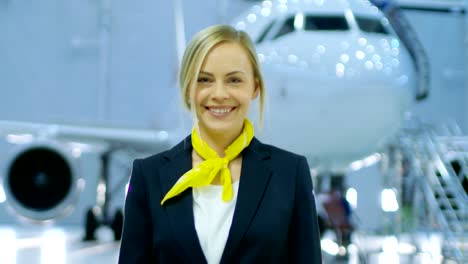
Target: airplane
<point>338,79</point>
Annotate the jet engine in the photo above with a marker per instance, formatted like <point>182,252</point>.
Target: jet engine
<point>40,179</point>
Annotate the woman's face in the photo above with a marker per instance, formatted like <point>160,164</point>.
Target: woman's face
<point>224,90</point>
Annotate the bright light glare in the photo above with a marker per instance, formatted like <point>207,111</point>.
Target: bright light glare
<point>389,201</point>
<point>436,245</point>
<point>292,58</point>
<point>101,193</point>
<point>356,165</point>
<point>19,138</point>
<point>282,8</point>
<point>351,197</point>
<point>370,49</point>
<point>330,246</point>
<point>340,70</point>
<point>395,43</point>
<point>372,159</point>
<point>126,189</point>
<point>81,183</point>
<point>2,194</point>
<point>265,11</point>
<point>267,4</point>
<point>76,152</point>
<point>261,57</point>
<point>353,253</point>
<point>386,258</point>
<point>360,55</point>
<point>252,18</point>
<point>349,15</point>
<point>432,246</point>
<point>362,41</point>
<point>369,65</point>
<point>389,251</point>
<point>368,161</point>
<point>321,49</point>
<point>79,148</point>
<point>240,25</point>
<point>53,247</point>
<point>344,58</point>
<point>406,248</point>
<point>390,244</point>
<point>8,245</point>
<point>299,21</point>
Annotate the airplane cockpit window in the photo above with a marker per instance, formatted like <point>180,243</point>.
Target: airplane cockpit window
<point>371,25</point>
<point>286,28</point>
<point>312,23</point>
<point>330,23</point>
<point>265,32</point>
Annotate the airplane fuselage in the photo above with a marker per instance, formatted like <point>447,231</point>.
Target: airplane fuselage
<point>338,79</point>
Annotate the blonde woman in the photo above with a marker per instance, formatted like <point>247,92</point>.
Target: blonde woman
<point>220,195</point>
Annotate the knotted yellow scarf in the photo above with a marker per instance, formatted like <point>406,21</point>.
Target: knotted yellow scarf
<point>204,173</point>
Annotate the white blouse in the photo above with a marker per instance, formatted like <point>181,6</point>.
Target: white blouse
<point>213,218</point>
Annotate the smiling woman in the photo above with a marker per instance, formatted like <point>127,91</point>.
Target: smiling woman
<point>211,48</point>
<point>220,195</point>
<point>226,86</point>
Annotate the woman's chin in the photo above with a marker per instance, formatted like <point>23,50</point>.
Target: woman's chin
<point>221,126</point>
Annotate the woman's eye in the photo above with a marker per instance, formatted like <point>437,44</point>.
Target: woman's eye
<point>235,80</point>
<point>203,80</point>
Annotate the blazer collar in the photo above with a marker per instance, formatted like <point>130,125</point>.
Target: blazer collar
<point>255,173</point>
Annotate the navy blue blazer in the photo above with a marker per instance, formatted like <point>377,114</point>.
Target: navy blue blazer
<point>274,220</point>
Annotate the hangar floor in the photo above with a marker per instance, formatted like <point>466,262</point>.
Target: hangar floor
<point>54,245</point>
<point>30,245</point>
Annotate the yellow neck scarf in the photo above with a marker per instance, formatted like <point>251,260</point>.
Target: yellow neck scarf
<point>204,173</point>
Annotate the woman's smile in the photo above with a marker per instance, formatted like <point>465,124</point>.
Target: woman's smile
<point>220,111</point>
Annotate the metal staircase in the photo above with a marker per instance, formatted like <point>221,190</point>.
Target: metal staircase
<point>440,168</point>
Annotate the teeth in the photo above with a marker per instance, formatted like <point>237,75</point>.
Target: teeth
<point>220,111</point>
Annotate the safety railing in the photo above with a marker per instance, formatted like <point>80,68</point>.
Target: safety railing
<point>439,182</point>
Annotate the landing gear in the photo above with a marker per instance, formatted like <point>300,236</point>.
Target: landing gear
<point>117,224</point>
<point>92,222</point>
<point>99,215</point>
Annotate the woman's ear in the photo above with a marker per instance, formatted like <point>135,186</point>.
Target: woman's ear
<point>256,89</point>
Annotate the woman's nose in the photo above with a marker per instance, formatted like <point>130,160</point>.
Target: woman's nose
<point>219,91</point>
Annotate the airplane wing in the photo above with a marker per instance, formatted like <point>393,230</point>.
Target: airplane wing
<point>42,176</point>
<point>43,171</point>
<point>138,139</point>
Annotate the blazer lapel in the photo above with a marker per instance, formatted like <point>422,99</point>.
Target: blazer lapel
<point>180,209</point>
<point>255,174</point>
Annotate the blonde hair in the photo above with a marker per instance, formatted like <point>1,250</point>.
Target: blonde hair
<point>196,52</point>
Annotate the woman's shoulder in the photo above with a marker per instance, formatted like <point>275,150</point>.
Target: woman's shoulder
<point>277,152</point>
<point>161,157</point>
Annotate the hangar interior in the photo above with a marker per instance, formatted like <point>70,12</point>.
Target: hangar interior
<point>86,87</point>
